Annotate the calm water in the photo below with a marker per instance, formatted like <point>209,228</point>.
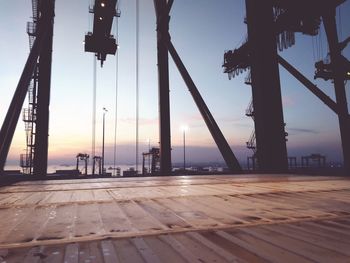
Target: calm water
<point>53,168</point>
<point>108,167</point>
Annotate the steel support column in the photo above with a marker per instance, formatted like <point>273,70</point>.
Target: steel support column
<point>162,14</point>
<point>47,10</point>
<point>339,84</point>
<point>9,125</point>
<point>268,112</point>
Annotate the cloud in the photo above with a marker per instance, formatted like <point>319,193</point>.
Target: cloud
<point>294,131</point>
<point>142,121</point>
<point>197,121</point>
<point>288,101</point>
<point>198,117</point>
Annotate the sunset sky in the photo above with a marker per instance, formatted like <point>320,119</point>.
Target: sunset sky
<point>201,32</point>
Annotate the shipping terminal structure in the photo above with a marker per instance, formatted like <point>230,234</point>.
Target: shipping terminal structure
<point>270,215</point>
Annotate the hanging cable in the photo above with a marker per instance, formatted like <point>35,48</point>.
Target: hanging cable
<point>90,17</point>
<point>93,139</point>
<point>137,84</point>
<point>94,87</point>
<point>340,24</point>
<point>321,45</point>
<point>318,45</point>
<point>88,20</point>
<point>313,48</point>
<point>116,96</point>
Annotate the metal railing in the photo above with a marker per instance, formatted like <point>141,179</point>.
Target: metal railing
<point>250,110</point>
<point>35,9</point>
<point>25,160</point>
<point>28,115</point>
<point>251,144</point>
<point>31,28</point>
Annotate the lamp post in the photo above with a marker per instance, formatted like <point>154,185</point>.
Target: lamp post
<point>103,140</point>
<point>149,156</point>
<point>184,128</point>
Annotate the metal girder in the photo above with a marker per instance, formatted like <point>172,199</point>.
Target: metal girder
<point>169,6</point>
<point>324,69</point>
<point>315,5</point>
<point>225,149</point>
<point>162,8</point>
<point>40,159</point>
<point>266,88</point>
<point>293,19</point>
<point>309,85</point>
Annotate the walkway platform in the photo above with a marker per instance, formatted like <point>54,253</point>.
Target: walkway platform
<point>224,218</point>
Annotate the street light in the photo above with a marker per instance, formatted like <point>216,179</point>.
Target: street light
<point>149,156</point>
<point>103,140</point>
<point>184,129</point>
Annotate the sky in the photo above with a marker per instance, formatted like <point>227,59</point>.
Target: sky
<point>201,32</point>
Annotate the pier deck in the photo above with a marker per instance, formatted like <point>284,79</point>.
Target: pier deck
<point>245,218</point>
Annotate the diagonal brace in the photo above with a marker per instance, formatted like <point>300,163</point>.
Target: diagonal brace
<point>225,149</point>
<point>309,85</point>
<point>9,125</point>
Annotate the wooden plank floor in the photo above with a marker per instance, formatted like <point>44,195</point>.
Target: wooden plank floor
<point>246,218</point>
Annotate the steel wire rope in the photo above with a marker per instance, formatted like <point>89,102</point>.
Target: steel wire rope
<point>116,93</point>
<point>340,24</point>
<point>137,82</point>
<point>94,91</point>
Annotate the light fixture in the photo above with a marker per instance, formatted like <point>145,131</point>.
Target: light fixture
<point>103,4</point>
<point>101,18</point>
<point>184,128</point>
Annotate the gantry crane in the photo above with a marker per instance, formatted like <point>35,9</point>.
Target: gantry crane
<point>280,19</point>
<point>100,41</point>
<point>38,70</point>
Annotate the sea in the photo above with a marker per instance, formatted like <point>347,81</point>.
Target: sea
<point>54,167</point>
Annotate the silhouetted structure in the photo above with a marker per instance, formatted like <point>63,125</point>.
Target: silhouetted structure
<point>292,162</point>
<point>46,8</point>
<point>251,143</point>
<point>163,8</point>
<point>131,172</point>
<point>97,165</point>
<point>29,113</point>
<point>154,153</point>
<point>268,115</point>
<point>280,19</point>
<point>252,163</point>
<point>39,61</point>
<point>100,41</point>
<point>324,69</point>
<point>317,158</point>
<point>85,159</point>
<point>26,162</point>
<point>266,21</point>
